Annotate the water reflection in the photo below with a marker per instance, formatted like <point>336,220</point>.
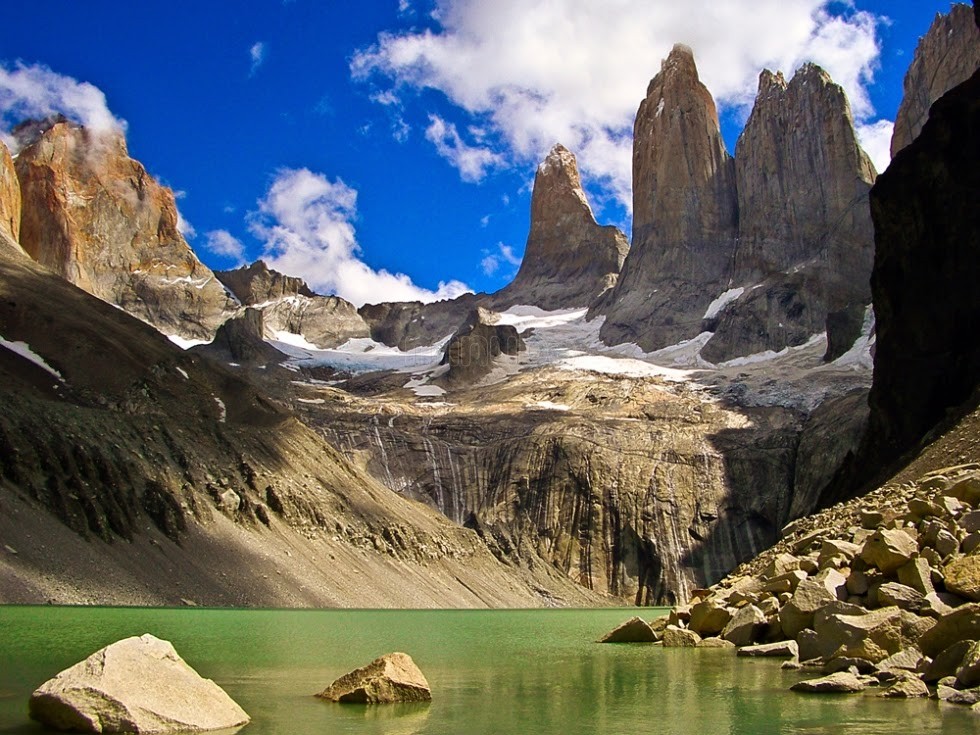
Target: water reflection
<point>504,672</point>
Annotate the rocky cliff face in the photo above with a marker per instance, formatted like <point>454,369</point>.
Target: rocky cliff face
<point>805,237</point>
<point>947,55</point>
<point>288,305</point>
<point>638,488</point>
<point>96,217</point>
<point>927,233</point>
<point>9,198</point>
<point>569,260</point>
<point>684,213</point>
<point>410,324</point>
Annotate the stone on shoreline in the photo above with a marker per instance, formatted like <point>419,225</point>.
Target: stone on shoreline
<point>136,685</point>
<point>634,630</point>
<point>779,649</point>
<point>843,682</point>
<point>391,678</point>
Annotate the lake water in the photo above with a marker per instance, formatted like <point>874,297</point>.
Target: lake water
<point>499,672</point>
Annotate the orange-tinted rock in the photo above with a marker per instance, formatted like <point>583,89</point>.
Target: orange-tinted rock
<point>9,197</point>
<point>569,258</point>
<point>947,55</point>
<point>96,217</point>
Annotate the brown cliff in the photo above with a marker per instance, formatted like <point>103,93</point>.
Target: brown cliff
<point>684,212</point>
<point>288,305</point>
<point>947,55</point>
<point>805,237</point>
<point>9,198</point>
<point>96,217</point>
<point>569,258</point>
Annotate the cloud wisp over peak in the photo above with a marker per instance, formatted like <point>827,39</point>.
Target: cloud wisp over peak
<point>537,71</point>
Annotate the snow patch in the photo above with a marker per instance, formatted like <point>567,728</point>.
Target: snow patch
<point>859,356</point>
<point>771,355</point>
<point>361,355</point>
<point>715,307</point>
<point>548,406</point>
<point>222,409</point>
<point>184,343</point>
<point>313,401</point>
<point>626,367</point>
<point>184,373</point>
<point>24,350</point>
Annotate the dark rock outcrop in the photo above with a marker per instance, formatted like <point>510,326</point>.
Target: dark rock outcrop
<point>473,350</point>
<point>240,340</point>
<point>257,284</point>
<point>410,324</point>
<point>947,55</point>
<point>569,259</point>
<point>96,217</point>
<point>684,213</point>
<point>927,265</point>
<point>805,236</point>
<point>288,305</point>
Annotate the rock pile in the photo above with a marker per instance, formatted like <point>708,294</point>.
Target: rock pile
<point>881,591</point>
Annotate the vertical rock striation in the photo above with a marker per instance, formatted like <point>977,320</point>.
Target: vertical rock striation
<point>947,55</point>
<point>9,198</point>
<point>684,212</point>
<point>569,259</point>
<point>805,237</point>
<point>96,217</point>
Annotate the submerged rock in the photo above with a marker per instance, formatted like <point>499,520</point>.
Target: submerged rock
<point>843,682</point>
<point>136,685</point>
<point>634,630</point>
<point>391,678</point>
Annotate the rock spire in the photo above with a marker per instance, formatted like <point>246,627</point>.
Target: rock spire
<point>684,212</point>
<point>569,258</point>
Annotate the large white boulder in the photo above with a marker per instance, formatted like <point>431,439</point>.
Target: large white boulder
<point>136,685</point>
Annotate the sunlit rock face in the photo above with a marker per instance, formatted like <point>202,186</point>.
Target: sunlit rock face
<point>805,241</point>
<point>684,213</point>
<point>9,198</point>
<point>569,259</point>
<point>947,55</point>
<point>96,217</point>
<point>288,305</point>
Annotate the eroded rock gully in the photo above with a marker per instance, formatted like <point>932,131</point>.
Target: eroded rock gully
<point>638,488</point>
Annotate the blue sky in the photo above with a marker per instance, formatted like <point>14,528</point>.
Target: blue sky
<point>385,150</point>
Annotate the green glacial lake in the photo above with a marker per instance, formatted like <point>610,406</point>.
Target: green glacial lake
<point>500,672</point>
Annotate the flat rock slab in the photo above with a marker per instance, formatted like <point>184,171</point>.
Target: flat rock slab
<point>391,678</point>
<point>779,649</point>
<point>634,630</point>
<point>842,682</point>
<point>136,685</point>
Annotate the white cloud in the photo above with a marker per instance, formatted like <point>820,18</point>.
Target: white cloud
<point>306,223</point>
<point>876,139</point>
<point>493,260</point>
<point>223,243</point>
<point>184,227</point>
<point>472,161</point>
<point>35,91</point>
<point>536,72</point>
<point>257,53</point>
